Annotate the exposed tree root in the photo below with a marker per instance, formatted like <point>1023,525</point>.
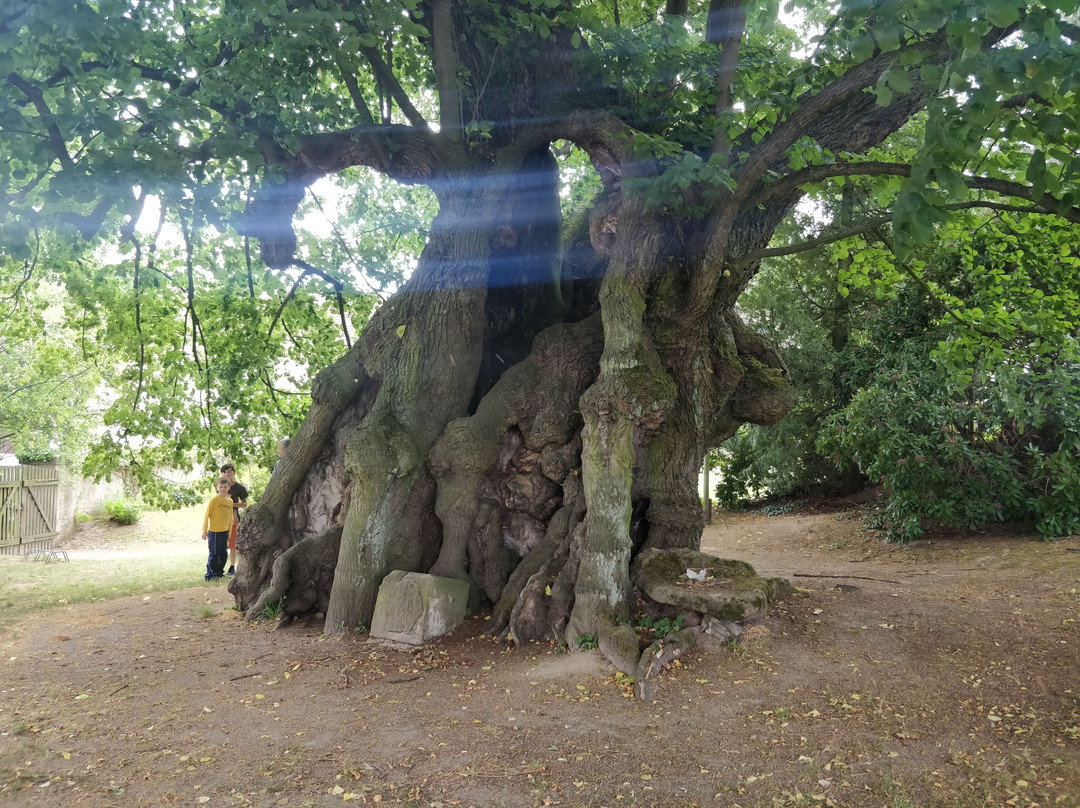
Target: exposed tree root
<point>303,575</point>
<point>659,654</point>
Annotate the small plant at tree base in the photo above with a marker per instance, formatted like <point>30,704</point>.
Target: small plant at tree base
<point>360,627</point>
<point>124,511</point>
<point>274,609</point>
<point>586,641</point>
<point>662,627</point>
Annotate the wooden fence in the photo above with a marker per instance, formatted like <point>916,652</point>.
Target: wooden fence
<point>28,506</point>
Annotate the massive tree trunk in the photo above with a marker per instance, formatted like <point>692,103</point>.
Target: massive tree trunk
<point>537,480</point>
<point>531,410</point>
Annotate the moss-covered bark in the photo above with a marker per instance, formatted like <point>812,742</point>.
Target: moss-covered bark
<point>428,376</point>
<point>540,481</point>
<point>265,530</point>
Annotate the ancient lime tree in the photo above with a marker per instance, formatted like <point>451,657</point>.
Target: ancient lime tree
<point>531,408</point>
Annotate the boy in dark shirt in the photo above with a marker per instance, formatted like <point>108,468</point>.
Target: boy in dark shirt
<point>239,496</point>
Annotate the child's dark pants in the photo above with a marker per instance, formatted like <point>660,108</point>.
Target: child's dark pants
<point>218,544</point>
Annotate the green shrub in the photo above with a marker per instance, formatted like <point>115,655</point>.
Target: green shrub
<point>34,454</point>
<point>961,430</point>
<point>124,511</point>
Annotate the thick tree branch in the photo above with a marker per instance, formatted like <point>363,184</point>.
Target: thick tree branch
<point>444,56</point>
<point>37,98</point>
<point>871,224</point>
<point>815,107</point>
<point>410,155</point>
<point>1045,203</point>
<point>725,28</point>
<point>385,76</point>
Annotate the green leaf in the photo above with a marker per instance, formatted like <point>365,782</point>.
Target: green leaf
<point>1002,13</point>
<point>863,48</point>
<point>900,80</point>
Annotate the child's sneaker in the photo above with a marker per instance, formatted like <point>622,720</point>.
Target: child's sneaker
<point>231,572</point>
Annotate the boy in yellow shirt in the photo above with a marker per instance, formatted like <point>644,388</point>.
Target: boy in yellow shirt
<point>216,524</point>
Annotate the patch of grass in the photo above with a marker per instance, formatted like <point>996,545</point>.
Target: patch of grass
<point>895,791</point>
<point>27,587</point>
<point>273,609</point>
<point>204,611</point>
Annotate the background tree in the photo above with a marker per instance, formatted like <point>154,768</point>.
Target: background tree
<point>531,408</point>
<point>952,385</point>
<point>794,301</point>
<point>47,384</point>
<point>967,391</point>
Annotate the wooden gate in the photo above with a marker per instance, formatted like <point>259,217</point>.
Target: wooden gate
<point>28,505</point>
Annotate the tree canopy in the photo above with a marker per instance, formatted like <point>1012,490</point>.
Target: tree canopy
<point>529,410</point>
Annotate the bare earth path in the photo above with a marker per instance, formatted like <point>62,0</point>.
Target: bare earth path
<point>946,673</point>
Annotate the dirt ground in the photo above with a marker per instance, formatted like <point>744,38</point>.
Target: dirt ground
<point>944,673</point>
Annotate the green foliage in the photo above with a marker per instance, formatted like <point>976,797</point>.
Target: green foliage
<point>46,381</point>
<point>586,642</point>
<point>35,454</point>
<point>123,511</point>
<point>660,627</point>
<point>203,351</point>
<point>794,301</point>
<point>275,608</point>
<point>967,398</point>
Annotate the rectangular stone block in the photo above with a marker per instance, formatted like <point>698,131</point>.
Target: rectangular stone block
<point>413,607</point>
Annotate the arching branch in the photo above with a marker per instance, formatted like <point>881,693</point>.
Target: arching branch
<point>871,224</point>
<point>782,187</point>
<point>813,108</point>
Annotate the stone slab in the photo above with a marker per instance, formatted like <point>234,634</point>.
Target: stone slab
<point>413,607</point>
